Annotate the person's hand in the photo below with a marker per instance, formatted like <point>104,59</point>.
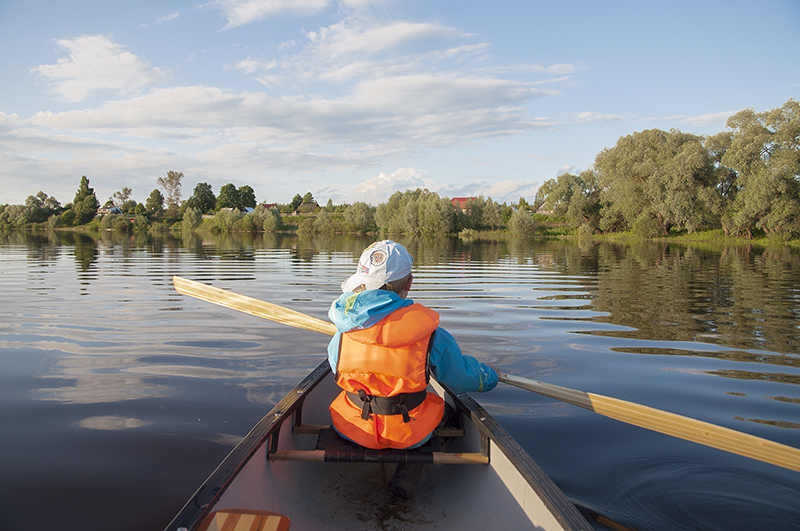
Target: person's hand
<point>498,371</point>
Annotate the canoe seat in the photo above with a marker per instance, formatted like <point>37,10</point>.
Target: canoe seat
<point>332,448</point>
<point>244,520</point>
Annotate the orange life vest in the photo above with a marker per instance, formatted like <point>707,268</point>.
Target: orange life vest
<point>383,371</point>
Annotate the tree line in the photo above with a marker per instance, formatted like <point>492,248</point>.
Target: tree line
<point>745,180</point>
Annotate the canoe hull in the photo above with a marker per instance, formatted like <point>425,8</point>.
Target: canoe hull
<point>512,492</point>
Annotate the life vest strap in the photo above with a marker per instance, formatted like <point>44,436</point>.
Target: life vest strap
<point>387,405</point>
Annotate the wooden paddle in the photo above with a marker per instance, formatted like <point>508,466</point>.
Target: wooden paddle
<point>645,417</point>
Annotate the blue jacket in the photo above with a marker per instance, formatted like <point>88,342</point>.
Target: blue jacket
<point>354,311</point>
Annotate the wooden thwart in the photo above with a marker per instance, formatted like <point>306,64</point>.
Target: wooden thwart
<point>331,448</point>
<point>444,458</point>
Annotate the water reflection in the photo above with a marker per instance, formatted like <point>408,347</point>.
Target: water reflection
<point>108,348</point>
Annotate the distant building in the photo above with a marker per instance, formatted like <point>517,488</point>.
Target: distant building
<point>109,210</point>
<point>461,203</point>
<point>269,205</point>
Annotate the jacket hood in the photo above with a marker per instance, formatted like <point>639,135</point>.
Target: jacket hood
<point>355,311</point>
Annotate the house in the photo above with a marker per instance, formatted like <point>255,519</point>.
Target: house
<point>269,205</point>
<point>109,210</point>
<point>461,203</point>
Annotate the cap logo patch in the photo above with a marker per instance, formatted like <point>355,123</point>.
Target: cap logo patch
<point>378,257</point>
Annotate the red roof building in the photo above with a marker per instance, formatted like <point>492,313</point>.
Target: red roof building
<point>461,202</point>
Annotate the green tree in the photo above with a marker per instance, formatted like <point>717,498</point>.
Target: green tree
<point>192,218</point>
<point>576,198</point>
<point>247,197</point>
<point>272,221</point>
<point>68,217</point>
<point>521,223</point>
<point>360,217</point>
<point>202,198</point>
<point>172,188</point>
<point>224,220</point>
<point>763,152</point>
<point>668,176</point>
<point>119,198</point>
<point>85,204</point>
<point>306,226</point>
<point>297,200</point>
<point>492,216</point>
<point>416,212</point>
<point>228,197</point>
<point>41,207</point>
<point>308,198</point>
<point>155,203</point>
<point>324,223</point>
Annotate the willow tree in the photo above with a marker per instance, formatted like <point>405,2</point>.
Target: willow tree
<point>576,198</point>
<point>416,212</point>
<point>763,152</point>
<point>657,180</point>
<point>360,217</point>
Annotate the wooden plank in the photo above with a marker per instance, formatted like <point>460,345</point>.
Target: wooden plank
<point>446,458</point>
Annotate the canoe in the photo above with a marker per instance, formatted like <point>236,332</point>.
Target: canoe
<point>293,470</point>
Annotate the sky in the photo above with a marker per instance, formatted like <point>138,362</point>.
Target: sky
<point>353,100</point>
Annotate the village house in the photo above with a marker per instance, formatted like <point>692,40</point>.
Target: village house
<point>461,203</point>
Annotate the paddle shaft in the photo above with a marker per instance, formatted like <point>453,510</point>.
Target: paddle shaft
<point>643,416</point>
<point>667,423</point>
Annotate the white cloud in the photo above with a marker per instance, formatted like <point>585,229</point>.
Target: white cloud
<point>511,191</point>
<point>566,168</point>
<point>589,116</point>
<point>241,12</point>
<point>344,39</point>
<point>377,189</point>
<point>248,66</point>
<point>703,120</point>
<point>96,64</point>
<point>717,118</point>
<point>169,17</point>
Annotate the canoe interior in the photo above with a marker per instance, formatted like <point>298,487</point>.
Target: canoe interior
<point>512,492</point>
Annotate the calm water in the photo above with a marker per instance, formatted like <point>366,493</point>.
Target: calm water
<point>118,396</point>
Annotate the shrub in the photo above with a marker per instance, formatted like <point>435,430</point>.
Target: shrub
<point>521,224</point>
<point>272,221</point>
<point>192,218</point>
<point>306,227</point>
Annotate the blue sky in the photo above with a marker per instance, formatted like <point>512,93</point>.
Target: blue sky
<point>355,99</point>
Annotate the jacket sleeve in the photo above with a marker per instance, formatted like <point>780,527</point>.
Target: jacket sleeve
<point>333,351</point>
<point>460,373</point>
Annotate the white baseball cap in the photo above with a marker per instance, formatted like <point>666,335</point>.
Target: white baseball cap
<point>381,262</point>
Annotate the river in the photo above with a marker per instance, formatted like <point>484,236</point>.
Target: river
<point>118,396</point>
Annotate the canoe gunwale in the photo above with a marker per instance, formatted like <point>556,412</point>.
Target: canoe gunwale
<point>493,432</point>
<point>268,428</point>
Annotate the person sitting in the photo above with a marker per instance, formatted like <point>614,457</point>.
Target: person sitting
<point>384,351</point>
